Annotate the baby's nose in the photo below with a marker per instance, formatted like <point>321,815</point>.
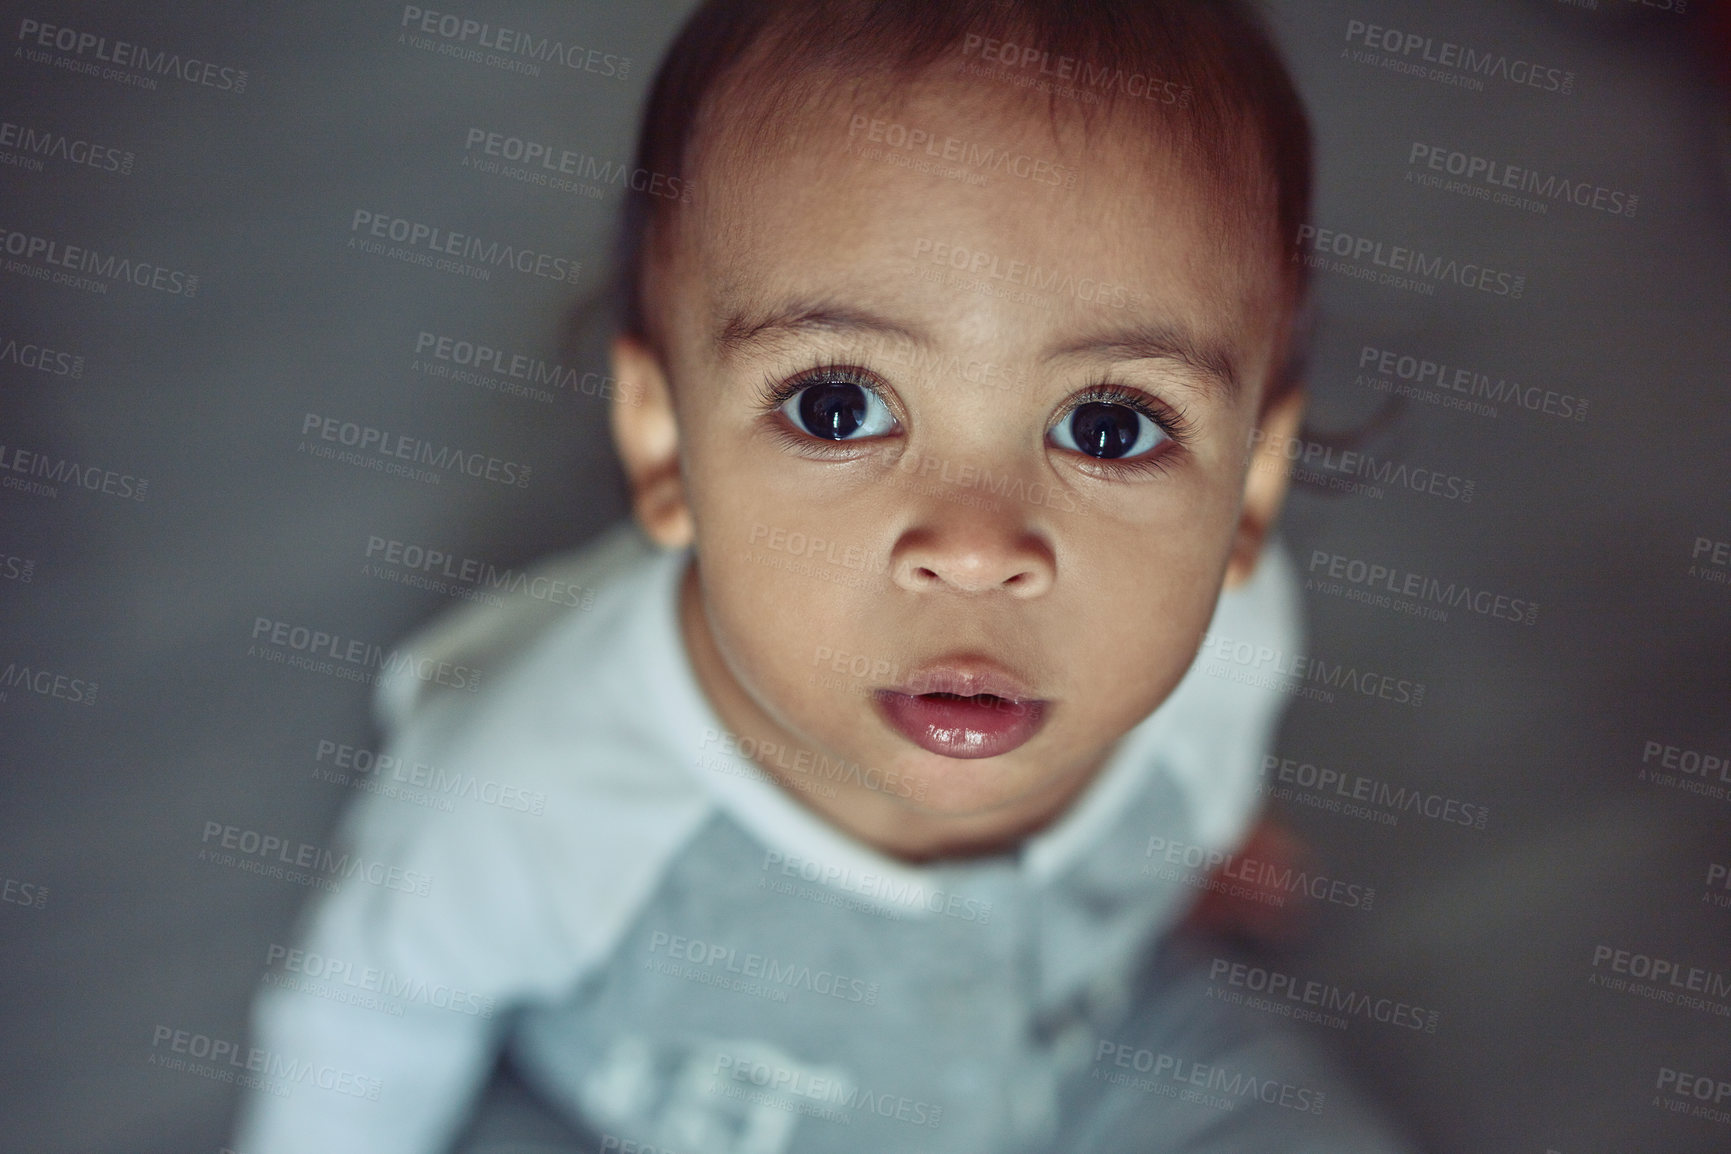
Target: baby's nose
<point>974,557</point>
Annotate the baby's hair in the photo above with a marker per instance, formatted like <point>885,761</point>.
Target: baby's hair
<point>1201,76</point>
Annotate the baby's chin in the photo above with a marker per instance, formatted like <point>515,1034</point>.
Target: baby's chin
<point>961,790</point>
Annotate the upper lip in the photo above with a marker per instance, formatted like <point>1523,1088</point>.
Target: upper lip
<point>966,677</point>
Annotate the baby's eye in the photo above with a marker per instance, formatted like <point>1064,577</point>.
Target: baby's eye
<point>839,410</point>
<point>1108,431</point>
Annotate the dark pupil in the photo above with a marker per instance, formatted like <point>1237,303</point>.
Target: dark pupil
<point>1103,430</point>
<point>833,410</point>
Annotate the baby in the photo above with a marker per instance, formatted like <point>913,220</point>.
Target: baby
<point>843,818</point>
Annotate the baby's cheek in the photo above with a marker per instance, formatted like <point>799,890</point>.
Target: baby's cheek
<point>763,624</point>
<point>1143,620</point>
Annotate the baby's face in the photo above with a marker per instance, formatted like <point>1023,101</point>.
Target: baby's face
<point>966,463</point>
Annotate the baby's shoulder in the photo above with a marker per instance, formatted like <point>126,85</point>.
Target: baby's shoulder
<point>539,723</point>
<point>552,682</point>
<point>540,790</point>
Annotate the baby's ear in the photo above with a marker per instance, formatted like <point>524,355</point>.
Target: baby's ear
<point>1265,483</point>
<point>646,433</point>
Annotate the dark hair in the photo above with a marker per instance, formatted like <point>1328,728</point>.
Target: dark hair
<point>1225,101</point>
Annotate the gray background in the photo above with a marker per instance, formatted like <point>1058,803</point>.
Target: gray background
<point>104,804</point>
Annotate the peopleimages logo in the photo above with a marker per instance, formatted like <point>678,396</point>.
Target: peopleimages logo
<point>545,164</point>
<point>1071,70</point>
<point>1221,1087</point>
<point>1271,668</point>
<point>1498,180</point>
<point>765,968</point>
<point>910,896</point>
<point>122,54</point>
<point>47,683</point>
<point>1444,60</point>
<point>1697,1095</point>
<point>1374,583</point>
<point>509,48</point>
<point>1690,770</point>
<point>82,267</point>
<point>56,471</point>
<point>983,159</point>
<point>350,658</point>
<point>253,1067</point>
<point>1204,867</point>
<point>267,854</point>
<point>1055,282</point>
<point>374,772</point>
<point>1350,793</point>
<point>1350,471</point>
<point>41,358</point>
<point>367,439</point>
<point>32,145</point>
<point>1404,267</point>
<point>1661,979</point>
<point>1710,561</point>
<point>819,766</point>
<point>1310,999</point>
<point>784,1086</point>
<point>369,227</point>
<point>442,571</point>
<point>1457,387</point>
<point>337,979</point>
<point>22,893</point>
<point>475,362</point>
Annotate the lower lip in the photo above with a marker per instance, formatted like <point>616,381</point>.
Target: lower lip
<point>962,727</point>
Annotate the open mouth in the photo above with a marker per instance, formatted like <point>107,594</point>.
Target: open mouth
<point>959,725</point>
<point>980,700</point>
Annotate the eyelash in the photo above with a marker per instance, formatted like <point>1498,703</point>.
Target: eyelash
<point>773,394</point>
<point>1170,420</point>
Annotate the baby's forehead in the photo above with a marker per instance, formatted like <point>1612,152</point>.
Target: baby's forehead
<point>863,199</point>
<point>936,123</point>
<point>955,135</point>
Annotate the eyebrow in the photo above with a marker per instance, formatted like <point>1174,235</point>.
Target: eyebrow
<point>1157,342</point>
<point>741,332</point>
<point>1164,343</point>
